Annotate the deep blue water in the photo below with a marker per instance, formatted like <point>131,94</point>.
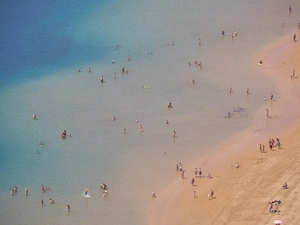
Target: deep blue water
<point>37,35</point>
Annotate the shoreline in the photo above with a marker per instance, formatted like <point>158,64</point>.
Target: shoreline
<point>184,208</point>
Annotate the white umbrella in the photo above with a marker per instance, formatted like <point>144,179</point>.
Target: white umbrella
<point>277,222</point>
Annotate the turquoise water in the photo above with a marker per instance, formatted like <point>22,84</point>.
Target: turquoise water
<point>42,48</point>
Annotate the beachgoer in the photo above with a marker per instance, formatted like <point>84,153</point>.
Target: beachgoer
<point>103,186</point>
<point>247,90</point>
<point>101,79</point>
<point>200,172</point>
<point>199,41</point>
<point>51,201</point>
<point>11,192</point>
<point>141,128</point>
<point>123,69</point>
<point>68,208</point>
<point>264,98</point>
<point>180,167</point>
<point>196,172</point>
<point>113,118</point>
<point>115,75</point>
<point>86,191</point>
<point>271,96</point>
<point>128,57</point>
<point>193,181</point>
<point>112,61</point>
<point>170,105</point>
<point>260,62</point>
<point>285,186</point>
<point>89,69</point>
<point>173,43</point>
<point>193,81</point>
<point>267,112</point>
<point>223,32</point>
<point>174,133</point>
<point>42,202</point>
<point>230,90</point>
<point>167,122</point>
<point>294,37</point>
<point>278,142</point>
<point>124,131</point>
<point>290,9</point>
<point>182,174</point>
<point>153,195</point>
<point>211,195</point>
<point>26,191</point>
<point>78,69</point>
<point>194,194</point>
<point>33,116</point>
<point>237,165</point>
<point>105,193</point>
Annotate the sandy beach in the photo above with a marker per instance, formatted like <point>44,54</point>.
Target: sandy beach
<point>241,195</point>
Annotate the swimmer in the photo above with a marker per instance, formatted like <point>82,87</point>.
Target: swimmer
<point>173,43</point>
<point>170,105</point>
<point>33,116</point>
<point>115,75</point>
<point>89,69</point>
<point>101,79</point>
<point>103,186</point>
<point>26,191</point>
<point>51,201</point>
<point>128,57</point>
<point>42,202</point>
<point>112,61</point>
<point>78,69</point>
<point>123,69</point>
<point>69,134</point>
<point>11,192</point>
<point>41,144</point>
<point>37,152</point>
<point>105,193</point>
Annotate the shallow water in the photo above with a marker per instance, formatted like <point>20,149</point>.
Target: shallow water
<point>131,164</point>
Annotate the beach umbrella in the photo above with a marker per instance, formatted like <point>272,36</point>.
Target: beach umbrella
<point>277,222</point>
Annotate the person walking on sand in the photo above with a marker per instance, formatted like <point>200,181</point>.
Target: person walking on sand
<point>271,96</point>
<point>200,172</point>
<point>211,195</point>
<point>196,172</point>
<point>267,112</point>
<point>193,181</point>
<point>194,194</point>
<point>294,37</point>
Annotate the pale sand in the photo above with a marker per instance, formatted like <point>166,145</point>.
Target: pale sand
<point>242,195</point>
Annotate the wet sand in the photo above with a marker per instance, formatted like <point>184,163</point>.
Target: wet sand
<point>241,195</point>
